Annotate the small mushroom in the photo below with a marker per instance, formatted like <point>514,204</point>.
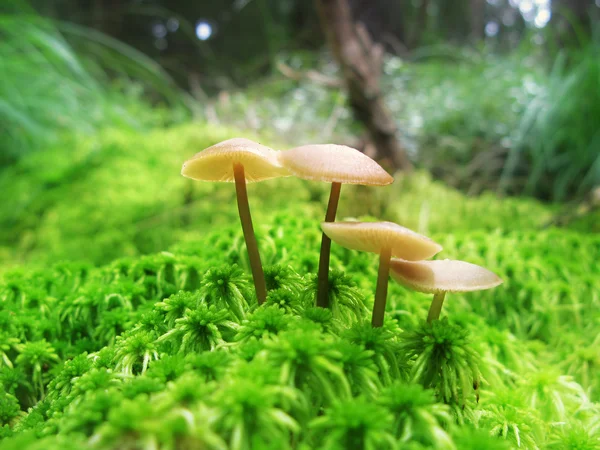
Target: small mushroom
<point>240,161</point>
<point>441,276</point>
<point>386,239</point>
<point>335,164</point>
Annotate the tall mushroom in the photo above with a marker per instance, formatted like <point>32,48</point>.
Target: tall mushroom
<point>240,161</point>
<point>441,276</point>
<point>335,164</point>
<point>386,239</point>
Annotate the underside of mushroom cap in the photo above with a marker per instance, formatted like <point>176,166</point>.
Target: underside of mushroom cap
<point>375,236</point>
<point>334,163</point>
<point>216,163</point>
<point>443,276</point>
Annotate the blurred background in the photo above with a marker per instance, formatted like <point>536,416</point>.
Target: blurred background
<point>101,101</point>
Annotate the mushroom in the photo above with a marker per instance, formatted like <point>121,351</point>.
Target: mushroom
<point>335,164</point>
<point>386,239</point>
<point>441,276</point>
<point>241,161</point>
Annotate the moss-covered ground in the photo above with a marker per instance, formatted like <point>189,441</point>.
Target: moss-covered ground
<point>128,318</point>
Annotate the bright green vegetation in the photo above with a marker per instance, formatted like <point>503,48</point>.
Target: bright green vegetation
<point>120,194</point>
<point>155,339</point>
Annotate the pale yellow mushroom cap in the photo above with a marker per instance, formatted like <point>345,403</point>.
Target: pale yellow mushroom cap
<point>216,163</point>
<point>334,163</point>
<point>442,276</point>
<point>375,236</point>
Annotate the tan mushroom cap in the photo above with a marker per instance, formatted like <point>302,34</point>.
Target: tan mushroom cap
<point>334,163</point>
<point>216,163</point>
<point>442,276</point>
<point>375,236</point>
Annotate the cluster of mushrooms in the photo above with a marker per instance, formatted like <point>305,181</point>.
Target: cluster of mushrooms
<point>402,252</point>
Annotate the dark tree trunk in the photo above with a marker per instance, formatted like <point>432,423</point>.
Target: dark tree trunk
<point>385,20</point>
<point>420,25</point>
<point>477,19</point>
<point>361,62</point>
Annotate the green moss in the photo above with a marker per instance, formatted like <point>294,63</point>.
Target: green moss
<point>166,345</point>
<point>115,195</point>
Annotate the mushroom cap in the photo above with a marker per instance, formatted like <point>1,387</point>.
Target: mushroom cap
<point>375,236</point>
<point>442,276</point>
<point>216,163</point>
<point>334,163</point>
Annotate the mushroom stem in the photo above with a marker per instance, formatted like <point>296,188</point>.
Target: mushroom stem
<point>323,276</point>
<point>251,245</point>
<point>382,287</point>
<point>436,306</point>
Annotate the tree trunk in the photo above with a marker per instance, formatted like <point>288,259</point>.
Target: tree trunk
<point>420,25</point>
<point>477,19</point>
<point>361,62</point>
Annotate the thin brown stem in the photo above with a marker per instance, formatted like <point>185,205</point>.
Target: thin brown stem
<point>382,287</point>
<point>436,306</point>
<point>244,209</point>
<point>323,276</point>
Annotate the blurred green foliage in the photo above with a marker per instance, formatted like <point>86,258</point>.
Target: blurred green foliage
<point>476,119</point>
<point>559,143</point>
<point>48,89</point>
